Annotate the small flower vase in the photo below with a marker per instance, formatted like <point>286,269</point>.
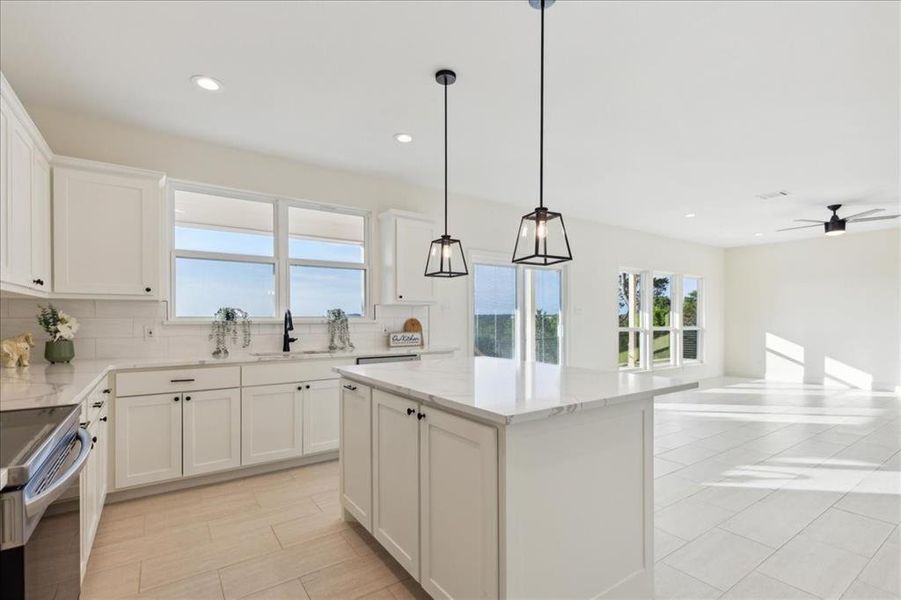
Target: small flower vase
<point>59,351</point>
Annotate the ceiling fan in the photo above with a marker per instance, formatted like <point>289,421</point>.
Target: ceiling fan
<point>836,225</point>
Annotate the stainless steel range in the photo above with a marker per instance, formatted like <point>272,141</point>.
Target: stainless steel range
<point>43,451</point>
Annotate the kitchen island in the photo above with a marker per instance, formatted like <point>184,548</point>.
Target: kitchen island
<point>493,478</point>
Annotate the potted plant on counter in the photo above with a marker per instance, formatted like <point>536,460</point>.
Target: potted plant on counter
<point>61,328</point>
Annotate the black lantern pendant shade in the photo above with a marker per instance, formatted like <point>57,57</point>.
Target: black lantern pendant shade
<point>446,253</point>
<point>541,239</point>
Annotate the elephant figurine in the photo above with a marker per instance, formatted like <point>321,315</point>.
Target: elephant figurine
<point>16,350</point>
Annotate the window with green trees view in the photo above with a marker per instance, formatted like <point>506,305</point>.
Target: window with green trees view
<point>501,293</point>
<point>671,333</point>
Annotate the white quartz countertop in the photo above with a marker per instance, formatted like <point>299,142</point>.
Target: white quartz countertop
<point>43,384</point>
<point>505,391</point>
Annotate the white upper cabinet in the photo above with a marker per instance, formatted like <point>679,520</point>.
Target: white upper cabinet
<point>406,238</point>
<point>24,199</point>
<point>107,229</point>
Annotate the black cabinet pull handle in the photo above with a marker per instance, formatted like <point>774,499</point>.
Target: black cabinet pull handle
<point>187,398</point>
<point>176,399</point>
<point>420,416</point>
<point>104,419</point>
<point>188,380</point>
<point>410,411</point>
<point>37,281</point>
<point>107,391</point>
<point>352,388</point>
<point>97,404</point>
<point>147,289</point>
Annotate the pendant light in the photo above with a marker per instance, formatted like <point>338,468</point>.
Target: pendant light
<point>541,239</point>
<point>446,253</point>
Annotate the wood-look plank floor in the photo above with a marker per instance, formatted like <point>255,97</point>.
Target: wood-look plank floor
<point>274,536</point>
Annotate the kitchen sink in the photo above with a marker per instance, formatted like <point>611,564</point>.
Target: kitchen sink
<point>288,354</point>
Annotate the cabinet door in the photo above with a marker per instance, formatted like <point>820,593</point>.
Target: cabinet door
<point>458,471</point>
<point>356,453</point>
<point>148,439</point>
<point>19,172</point>
<point>320,416</point>
<point>412,239</point>
<point>271,423</point>
<point>95,213</point>
<point>395,477</point>
<point>212,430</point>
<point>40,225</point>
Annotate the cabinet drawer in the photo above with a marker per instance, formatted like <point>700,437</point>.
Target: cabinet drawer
<point>98,400</point>
<point>137,383</point>
<point>291,371</point>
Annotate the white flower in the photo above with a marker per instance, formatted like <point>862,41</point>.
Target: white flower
<point>66,327</point>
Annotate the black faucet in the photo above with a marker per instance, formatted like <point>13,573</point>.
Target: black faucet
<point>289,326</point>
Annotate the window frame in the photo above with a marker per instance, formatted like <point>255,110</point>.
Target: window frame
<point>676,328</point>
<point>280,258</point>
<point>525,302</point>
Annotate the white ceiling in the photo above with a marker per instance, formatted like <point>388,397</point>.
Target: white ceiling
<point>654,109</point>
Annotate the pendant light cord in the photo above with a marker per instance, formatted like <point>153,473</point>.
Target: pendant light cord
<point>445,158</point>
<point>541,119</point>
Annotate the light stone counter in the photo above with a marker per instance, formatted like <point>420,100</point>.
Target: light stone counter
<point>505,391</point>
<point>43,385</point>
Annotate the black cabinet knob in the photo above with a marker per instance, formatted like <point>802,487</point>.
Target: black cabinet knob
<point>300,387</point>
<point>410,411</point>
<point>176,399</point>
<point>307,386</point>
<point>187,398</point>
<point>94,439</point>
<point>420,416</point>
<point>104,419</point>
<point>401,296</point>
<point>147,289</point>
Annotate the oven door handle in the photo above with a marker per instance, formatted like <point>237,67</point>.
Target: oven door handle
<point>35,505</point>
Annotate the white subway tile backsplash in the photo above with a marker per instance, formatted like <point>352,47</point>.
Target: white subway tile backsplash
<point>115,329</point>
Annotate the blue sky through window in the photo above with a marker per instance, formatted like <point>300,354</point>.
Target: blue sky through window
<point>314,290</point>
<point>203,286</point>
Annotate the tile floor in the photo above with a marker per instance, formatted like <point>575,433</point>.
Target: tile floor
<point>763,491</point>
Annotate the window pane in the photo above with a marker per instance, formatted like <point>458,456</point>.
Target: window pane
<point>495,310</point>
<point>629,349</point>
<point>690,291</point>
<point>690,344</point>
<point>629,299</point>
<point>315,290</point>
<point>204,286</point>
<point>209,223</point>
<point>662,343</point>
<point>547,315</point>
<point>662,301</point>
<point>325,250</point>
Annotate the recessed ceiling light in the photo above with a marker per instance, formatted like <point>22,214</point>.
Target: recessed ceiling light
<point>689,215</point>
<point>403,138</point>
<point>758,234</point>
<point>205,82</point>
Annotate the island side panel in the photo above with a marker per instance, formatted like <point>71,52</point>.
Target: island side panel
<point>578,505</point>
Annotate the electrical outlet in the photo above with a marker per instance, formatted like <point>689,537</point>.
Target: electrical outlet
<point>149,332</point>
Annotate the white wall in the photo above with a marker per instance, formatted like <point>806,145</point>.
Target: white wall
<point>820,311</point>
<point>599,250</point>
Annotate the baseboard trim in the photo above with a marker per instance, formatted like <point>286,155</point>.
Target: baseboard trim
<point>152,489</point>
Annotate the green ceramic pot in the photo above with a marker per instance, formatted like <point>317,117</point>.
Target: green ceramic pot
<point>59,351</point>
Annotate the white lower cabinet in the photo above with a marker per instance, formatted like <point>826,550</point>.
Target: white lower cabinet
<point>271,422</point>
<point>395,477</point>
<point>458,506</point>
<point>356,452</point>
<point>148,439</point>
<point>211,427</point>
<point>434,489</point>
<point>92,484</point>
<point>320,416</point>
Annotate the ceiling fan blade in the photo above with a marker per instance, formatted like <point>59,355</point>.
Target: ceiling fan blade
<point>801,227</point>
<point>883,218</point>
<point>864,213</point>
<point>809,221</point>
